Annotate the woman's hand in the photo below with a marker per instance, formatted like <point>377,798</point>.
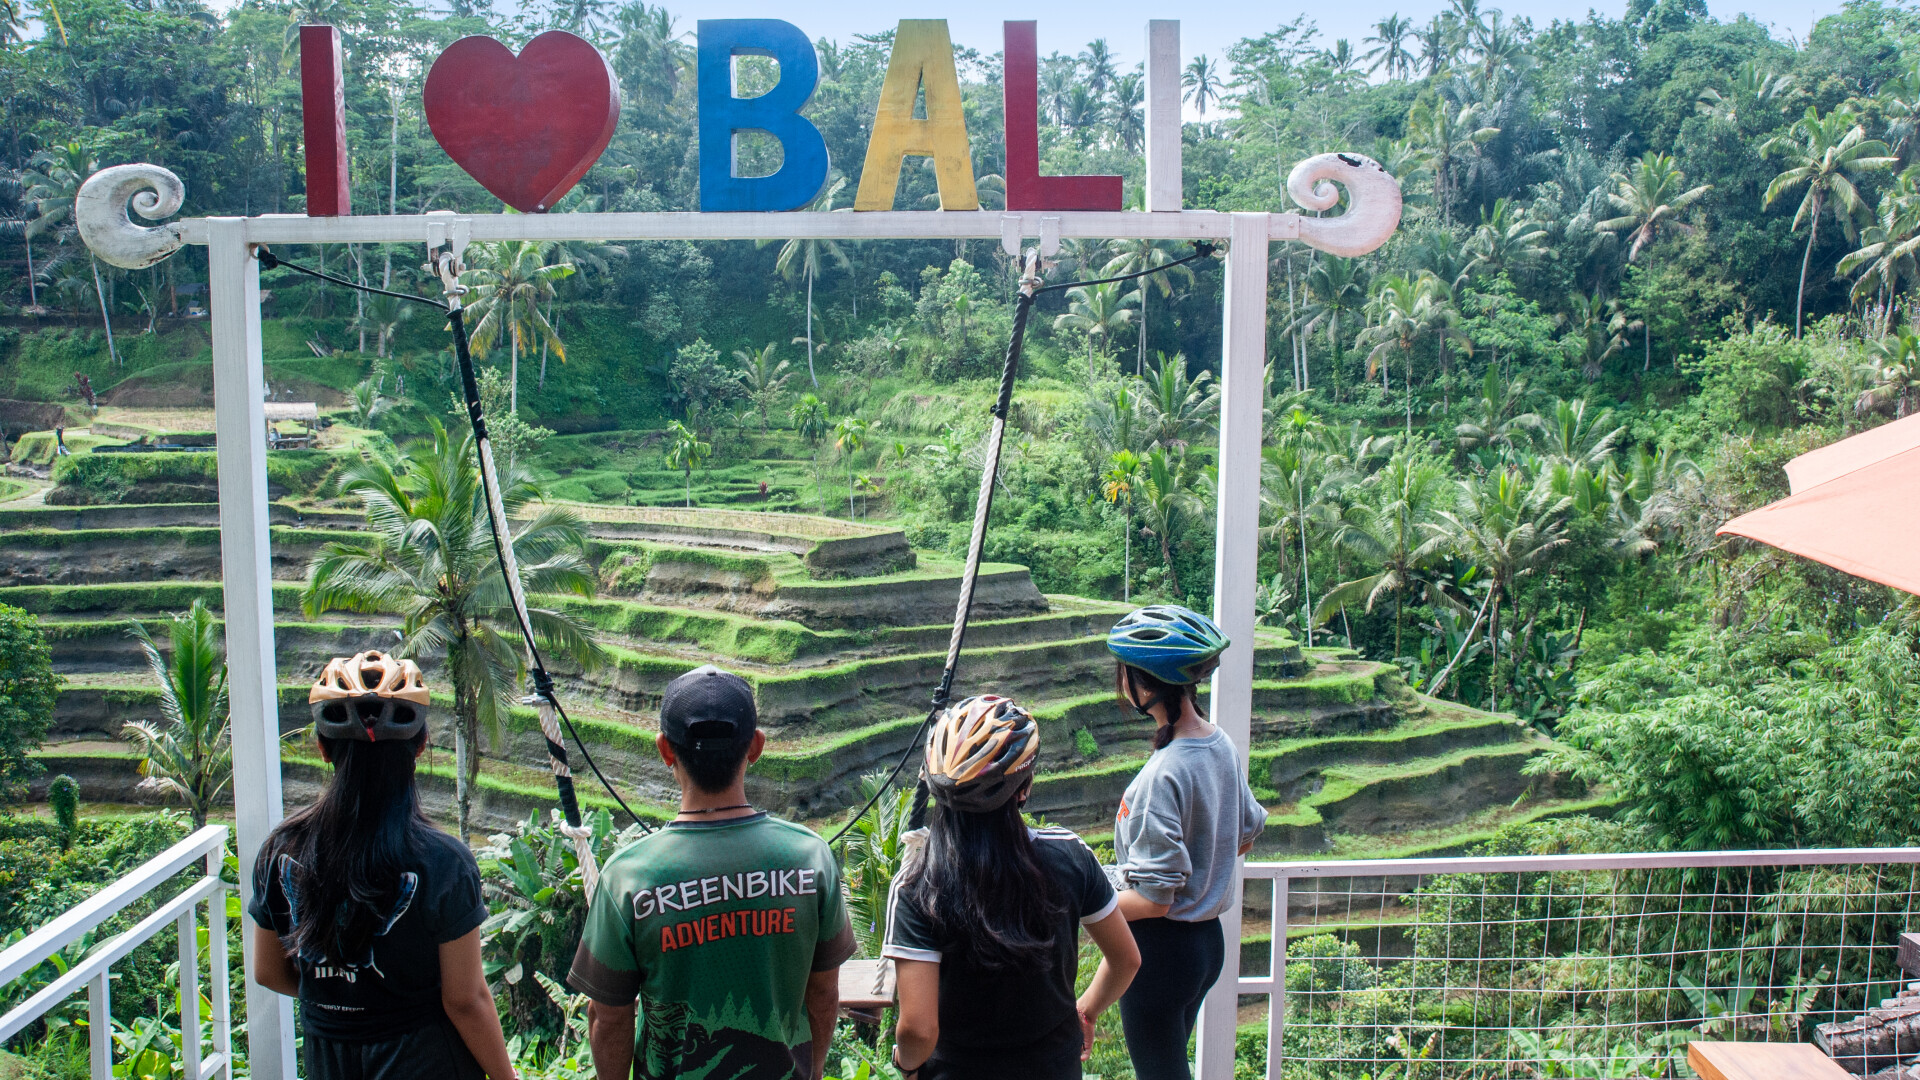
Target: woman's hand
<point>1086,1033</point>
<point>1119,960</point>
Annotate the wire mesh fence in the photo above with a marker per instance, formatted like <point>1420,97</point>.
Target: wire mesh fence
<point>1568,966</point>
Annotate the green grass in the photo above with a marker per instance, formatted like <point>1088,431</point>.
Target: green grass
<point>64,539</point>
<point>132,596</point>
<point>1345,781</point>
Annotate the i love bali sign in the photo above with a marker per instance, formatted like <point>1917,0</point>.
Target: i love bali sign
<point>527,127</point>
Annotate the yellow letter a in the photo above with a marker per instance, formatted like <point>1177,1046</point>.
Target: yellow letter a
<point>922,54</point>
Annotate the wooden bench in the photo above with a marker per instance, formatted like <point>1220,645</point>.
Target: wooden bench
<point>866,988</point>
<point>1762,1061</point>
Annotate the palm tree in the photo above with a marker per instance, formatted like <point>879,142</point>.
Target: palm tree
<point>1599,327</point>
<point>1173,408</point>
<point>1166,499</point>
<point>1823,154</point>
<point>383,315</point>
<point>428,556</point>
<point>1439,45</point>
<point>1124,111</point>
<point>512,280</point>
<point>1124,475</point>
<point>1391,527</point>
<point>1893,363</point>
<point>1570,436</point>
<point>808,258</point>
<point>1293,471</point>
<point>1099,310</point>
<point>1900,104</point>
<point>1334,286</point>
<point>809,416</point>
<point>1889,249</point>
<point>1649,200</point>
<point>1097,61</point>
<point>764,378</point>
<point>1507,240</point>
<point>1404,310</point>
<point>1497,420</point>
<point>1140,256</point>
<point>1115,420</point>
<point>1203,83</point>
<point>685,451</point>
<point>1446,133</point>
<point>1509,527</point>
<point>1753,86</point>
<point>52,185</point>
<point>849,435</point>
<point>1389,52</point>
<point>191,757</point>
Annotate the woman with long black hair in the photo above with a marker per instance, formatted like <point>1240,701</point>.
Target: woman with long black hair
<point>1183,822</point>
<point>366,912</point>
<point>983,930</point>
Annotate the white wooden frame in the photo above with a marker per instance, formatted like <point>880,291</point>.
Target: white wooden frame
<point>1372,214</point>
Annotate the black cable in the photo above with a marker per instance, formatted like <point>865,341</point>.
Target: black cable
<point>542,681</point>
<point>1201,249</point>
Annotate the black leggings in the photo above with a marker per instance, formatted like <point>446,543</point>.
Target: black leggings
<point>1179,962</point>
<point>434,1052</point>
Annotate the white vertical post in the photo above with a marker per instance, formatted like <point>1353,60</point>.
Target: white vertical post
<point>100,1026</point>
<point>240,426</point>
<point>1277,1001</point>
<point>1235,552</point>
<point>1163,114</point>
<point>218,979</point>
<point>188,929</point>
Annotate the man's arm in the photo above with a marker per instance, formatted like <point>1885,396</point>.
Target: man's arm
<point>823,1010</point>
<point>610,1033</point>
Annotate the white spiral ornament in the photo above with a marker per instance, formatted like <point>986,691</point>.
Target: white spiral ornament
<point>100,211</point>
<point>1373,202</point>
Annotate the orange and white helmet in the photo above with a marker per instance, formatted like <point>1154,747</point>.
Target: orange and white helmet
<point>371,697</point>
<point>981,753</point>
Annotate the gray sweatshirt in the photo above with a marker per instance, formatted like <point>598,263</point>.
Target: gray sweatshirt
<point>1181,825</point>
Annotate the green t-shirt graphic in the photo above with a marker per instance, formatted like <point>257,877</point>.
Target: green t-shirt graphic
<point>715,926</point>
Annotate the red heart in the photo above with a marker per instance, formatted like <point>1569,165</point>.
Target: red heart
<point>526,127</point>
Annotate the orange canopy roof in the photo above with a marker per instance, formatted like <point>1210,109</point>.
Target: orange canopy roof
<point>1855,507</point>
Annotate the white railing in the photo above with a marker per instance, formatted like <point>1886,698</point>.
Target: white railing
<point>208,845</point>
<point>1570,965</point>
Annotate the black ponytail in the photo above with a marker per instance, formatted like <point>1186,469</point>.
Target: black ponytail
<point>346,853</point>
<point>1158,692</point>
<point>984,891</point>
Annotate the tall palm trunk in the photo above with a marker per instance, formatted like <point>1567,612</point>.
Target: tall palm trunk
<point>466,730</point>
<point>33,286</point>
<point>810,374</point>
<point>1306,582</point>
<point>513,372</point>
<point>543,346</point>
<point>1140,365</point>
<point>106,319</point>
<point>1126,559</point>
<point>1800,300</point>
<point>1493,639</point>
<point>1166,553</point>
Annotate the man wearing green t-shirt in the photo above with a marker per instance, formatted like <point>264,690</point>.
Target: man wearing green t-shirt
<point>728,926</point>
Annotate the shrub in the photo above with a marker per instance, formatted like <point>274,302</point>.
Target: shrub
<point>28,690</point>
<point>63,795</point>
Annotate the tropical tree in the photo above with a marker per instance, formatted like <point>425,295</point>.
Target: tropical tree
<point>1899,101</point>
<point>1125,475</point>
<point>765,379</point>
<point>512,280</point>
<point>1203,84</point>
<point>383,315</point>
<point>1823,154</point>
<point>1391,527</point>
<point>1753,92</point>
<point>1125,111</point>
<point>1389,52</point>
<point>1509,527</point>
<point>808,259</point>
<point>428,556</point>
<point>1598,327</point>
<point>1335,286</point>
<point>1294,470</point>
<point>809,416</point>
<point>1507,241</point>
<point>52,184</point>
<point>1570,435</point>
<point>1447,133</point>
<point>686,452</point>
<point>1404,310</point>
<point>1497,417</point>
<point>1889,249</point>
<point>1143,256</point>
<point>190,755</point>
<point>1166,499</point>
<point>1647,202</point>
<point>1098,310</point>
<point>1893,363</point>
<point>849,435</point>
<point>1174,409</point>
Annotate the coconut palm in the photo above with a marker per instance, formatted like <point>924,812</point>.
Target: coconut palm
<point>1389,52</point>
<point>1509,527</point>
<point>808,259</point>
<point>1100,311</point>
<point>1506,241</point>
<point>1124,476</point>
<point>1823,154</point>
<point>1889,249</point>
<point>1496,418</point>
<point>1141,256</point>
<point>1752,93</point>
<point>1893,363</point>
<point>1175,409</point>
<point>382,315</point>
<point>1335,286</point>
<point>1439,45</point>
<point>1203,84</point>
<point>1293,471</point>
<point>1573,436</point>
<point>849,435</point>
<point>428,556</point>
<point>686,452</point>
<point>1899,101</point>
<point>1599,327</point>
<point>191,756</point>
<point>1166,499</point>
<point>1115,419</point>
<point>809,416</point>
<point>1447,133</point>
<point>52,184</point>
<point>1404,310</point>
<point>512,280</point>
<point>1647,202</point>
<point>1124,111</point>
<point>764,378</point>
<point>1097,61</point>
<point>1391,527</point>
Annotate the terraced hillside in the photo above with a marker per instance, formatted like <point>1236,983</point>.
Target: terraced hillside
<point>840,627</point>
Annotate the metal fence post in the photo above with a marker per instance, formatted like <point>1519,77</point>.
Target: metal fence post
<point>219,979</point>
<point>188,928</point>
<point>1277,1001</point>
<point>1236,549</point>
<point>240,426</point>
<point>100,1027</point>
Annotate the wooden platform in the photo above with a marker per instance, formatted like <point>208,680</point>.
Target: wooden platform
<point>1762,1061</point>
<point>866,986</point>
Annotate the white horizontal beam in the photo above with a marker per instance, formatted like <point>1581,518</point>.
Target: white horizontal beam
<point>33,950</point>
<point>1363,868</point>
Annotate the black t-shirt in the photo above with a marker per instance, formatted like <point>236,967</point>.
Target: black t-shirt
<point>989,1018</point>
<point>396,988</point>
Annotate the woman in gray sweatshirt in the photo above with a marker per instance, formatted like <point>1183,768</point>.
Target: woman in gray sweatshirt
<point>1183,822</point>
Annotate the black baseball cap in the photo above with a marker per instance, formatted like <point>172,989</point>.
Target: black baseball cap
<point>708,709</point>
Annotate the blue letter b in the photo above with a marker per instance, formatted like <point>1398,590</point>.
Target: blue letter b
<point>804,171</point>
